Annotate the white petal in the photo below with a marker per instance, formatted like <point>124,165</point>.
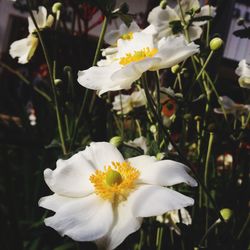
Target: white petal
<point>194,32</point>
<point>71,177</point>
<point>112,36</point>
<point>133,71</point>
<point>173,50</point>
<point>149,200</point>
<point>54,202</point>
<point>139,98</point>
<point>164,172</point>
<point>24,48</point>
<point>125,223</point>
<point>85,219</point>
<point>102,154</point>
<point>99,78</point>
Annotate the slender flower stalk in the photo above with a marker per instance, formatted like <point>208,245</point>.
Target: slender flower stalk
<point>58,115</point>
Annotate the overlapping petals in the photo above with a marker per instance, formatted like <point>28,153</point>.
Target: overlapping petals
<point>243,71</point>
<point>133,58</point>
<point>82,214</point>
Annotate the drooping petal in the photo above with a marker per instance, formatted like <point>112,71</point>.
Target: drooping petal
<point>24,49</point>
<point>163,173</point>
<point>173,50</point>
<point>102,154</point>
<point>243,70</point>
<point>71,177</point>
<point>150,200</point>
<point>84,219</point>
<point>125,223</point>
<point>54,202</point>
<point>40,17</point>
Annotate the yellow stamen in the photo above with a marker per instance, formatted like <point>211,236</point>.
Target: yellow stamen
<point>115,182</point>
<point>127,36</point>
<point>138,55</point>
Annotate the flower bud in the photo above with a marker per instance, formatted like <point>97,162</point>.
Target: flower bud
<point>67,69</point>
<point>226,214</point>
<point>175,69</point>
<point>116,141</point>
<point>163,4</point>
<point>197,118</point>
<point>215,43</point>
<point>57,81</point>
<point>153,129</point>
<point>56,7</point>
<point>160,156</point>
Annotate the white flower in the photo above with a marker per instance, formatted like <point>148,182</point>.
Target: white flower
<point>133,58</point>
<point>230,107</point>
<point>99,196</point>
<point>123,32</point>
<point>161,18</point>
<point>243,71</point>
<point>125,103</point>
<point>172,218</point>
<point>140,142</point>
<point>24,49</point>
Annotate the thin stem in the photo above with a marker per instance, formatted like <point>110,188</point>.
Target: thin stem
<point>244,227</point>
<point>210,229</point>
<point>183,158</point>
<point>58,116</point>
<point>205,65</point>
<point>25,80</point>
<point>98,49</point>
<point>210,143</point>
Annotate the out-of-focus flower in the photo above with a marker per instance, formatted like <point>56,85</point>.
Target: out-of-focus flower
<point>123,32</point>
<point>99,196</point>
<point>171,218</point>
<point>25,48</point>
<point>31,113</point>
<point>230,107</point>
<point>133,58</point>
<point>224,162</point>
<point>126,103</point>
<point>243,71</point>
<point>140,142</point>
<point>162,19</point>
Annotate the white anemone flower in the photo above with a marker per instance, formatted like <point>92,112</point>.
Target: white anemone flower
<point>134,57</point>
<point>243,71</point>
<point>126,103</point>
<point>125,32</point>
<point>99,196</point>
<point>231,107</point>
<point>171,218</point>
<point>161,18</point>
<point>25,48</point>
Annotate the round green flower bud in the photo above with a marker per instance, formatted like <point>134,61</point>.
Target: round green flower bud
<point>56,7</point>
<point>116,141</point>
<point>163,4</point>
<point>226,213</point>
<point>160,156</point>
<point>153,129</point>
<point>57,81</point>
<point>215,43</point>
<point>175,69</point>
<point>113,177</point>
<point>67,69</point>
<point>197,118</point>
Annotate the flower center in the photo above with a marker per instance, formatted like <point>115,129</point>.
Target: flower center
<point>115,182</point>
<point>138,55</point>
<point>127,36</point>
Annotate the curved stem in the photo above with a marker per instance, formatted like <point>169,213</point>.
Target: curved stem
<point>45,52</point>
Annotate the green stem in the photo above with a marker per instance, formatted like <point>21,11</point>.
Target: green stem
<point>98,49</point>
<point>205,65</point>
<point>58,116</point>
<point>244,227</point>
<point>210,229</point>
<point>25,80</point>
<point>210,144</point>
<point>183,158</point>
